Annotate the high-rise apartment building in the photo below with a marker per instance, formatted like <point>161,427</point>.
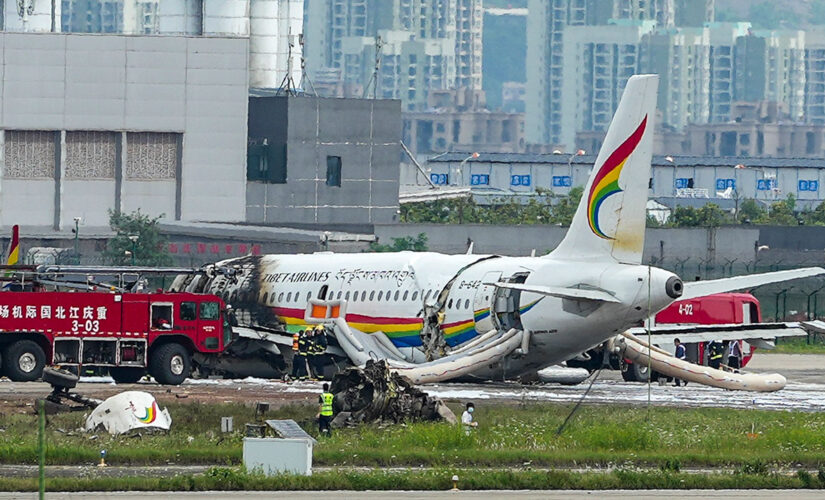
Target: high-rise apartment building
<point>770,66</point>
<point>680,57</point>
<point>815,77</point>
<point>597,63</point>
<point>723,38</point>
<point>424,45</point>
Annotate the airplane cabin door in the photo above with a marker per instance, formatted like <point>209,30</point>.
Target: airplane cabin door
<point>483,303</point>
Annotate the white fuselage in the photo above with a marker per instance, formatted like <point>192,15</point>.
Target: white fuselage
<point>394,292</point>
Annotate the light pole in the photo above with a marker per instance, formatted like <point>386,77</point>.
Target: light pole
<point>579,152</point>
<point>465,160</point>
<point>134,239</point>
<point>76,232</point>
<point>675,166</point>
<point>736,170</point>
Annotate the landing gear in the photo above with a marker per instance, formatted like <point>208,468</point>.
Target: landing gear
<point>637,372</point>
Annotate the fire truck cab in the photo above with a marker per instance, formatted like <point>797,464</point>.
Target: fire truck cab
<point>129,333</point>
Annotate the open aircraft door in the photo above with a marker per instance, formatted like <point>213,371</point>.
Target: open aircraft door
<point>483,303</point>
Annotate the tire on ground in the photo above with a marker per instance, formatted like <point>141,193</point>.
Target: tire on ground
<point>60,378</point>
<point>24,361</point>
<point>126,374</point>
<point>170,364</point>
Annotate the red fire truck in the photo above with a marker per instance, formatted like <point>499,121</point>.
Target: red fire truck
<point>718,309</point>
<point>130,333</point>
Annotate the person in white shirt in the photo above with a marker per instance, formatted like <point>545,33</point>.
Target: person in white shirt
<point>467,418</point>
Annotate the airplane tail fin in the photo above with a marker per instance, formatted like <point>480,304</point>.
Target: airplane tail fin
<point>13,255</point>
<point>610,219</point>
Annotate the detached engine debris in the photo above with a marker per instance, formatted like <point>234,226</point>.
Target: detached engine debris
<point>118,414</point>
<point>128,411</point>
<point>376,394</point>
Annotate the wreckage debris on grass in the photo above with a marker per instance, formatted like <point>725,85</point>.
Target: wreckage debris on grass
<point>376,394</point>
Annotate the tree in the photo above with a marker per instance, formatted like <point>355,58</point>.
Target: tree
<point>149,246</point>
<point>750,211</point>
<point>417,244</point>
<point>781,213</point>
<point>816,217</point>
<point>709,215</point>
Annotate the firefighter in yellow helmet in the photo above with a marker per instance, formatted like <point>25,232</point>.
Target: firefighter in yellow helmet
<point>319,348</point>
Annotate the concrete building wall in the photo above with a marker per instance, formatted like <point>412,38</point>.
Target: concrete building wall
<point>174,110</point>
<point>364,134</point>
<point>661,245</point>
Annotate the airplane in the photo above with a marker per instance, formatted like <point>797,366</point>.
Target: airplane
<point>436,317</point>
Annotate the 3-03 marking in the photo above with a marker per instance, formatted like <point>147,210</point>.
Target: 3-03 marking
<point>88,325</point>
<point>686,309</point>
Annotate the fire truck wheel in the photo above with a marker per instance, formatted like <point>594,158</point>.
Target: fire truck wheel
<point>24,361</point>
<point>60,378</point>
<point>126,375</point>
<point>170,364</point>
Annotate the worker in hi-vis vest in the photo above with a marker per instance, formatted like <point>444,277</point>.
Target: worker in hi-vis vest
<point>325,411</point>
<point>297,361</point>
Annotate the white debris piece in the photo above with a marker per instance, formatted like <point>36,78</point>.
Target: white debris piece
<point>128,411</point>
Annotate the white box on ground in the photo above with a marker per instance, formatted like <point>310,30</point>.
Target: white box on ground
<point>277,456</point>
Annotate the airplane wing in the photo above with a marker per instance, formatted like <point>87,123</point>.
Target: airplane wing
<point>759,334</point>
<point>695,289</point>
<point>560,292</point>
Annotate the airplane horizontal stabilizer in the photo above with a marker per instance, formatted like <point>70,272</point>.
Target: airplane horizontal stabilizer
<point>666,334</point>
<point>695,289</point>
<point>560,292</point>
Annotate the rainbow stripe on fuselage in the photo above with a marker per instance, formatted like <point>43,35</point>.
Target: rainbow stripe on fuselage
<point>606,182</point>
<point>403,332</point>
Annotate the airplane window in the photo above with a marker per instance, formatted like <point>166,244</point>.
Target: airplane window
<point>427,295</point>
<point>380,294</point>
<point>339,294</point>
<point>296,296</point>
<point>355,297</point>
<point>272,298</point>
<point>289,297</point>
<point>396,296</point>
<point>346,296</point>
<point>330,295</point>
<point>264,297</point>
<point>450,304</point>
<point>466,303</point>
<point>309,296</point>
<point>406,293</point>
<point>372,295</point>
<point>281,297</point>
<point>415,295</point>
<point>323,292</point>
<point>389,295</point>
<point>363,296</point>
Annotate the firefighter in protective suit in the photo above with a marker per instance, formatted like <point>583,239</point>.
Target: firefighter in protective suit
<point>715,352</point>
<point>318,349</point>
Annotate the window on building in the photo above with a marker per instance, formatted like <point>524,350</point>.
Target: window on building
<point>334,171</point>
<point>265,162</point>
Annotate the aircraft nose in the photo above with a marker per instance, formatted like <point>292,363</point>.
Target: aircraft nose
<point>674,287</point>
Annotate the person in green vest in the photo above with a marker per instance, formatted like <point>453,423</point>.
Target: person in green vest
<point>325,411</point>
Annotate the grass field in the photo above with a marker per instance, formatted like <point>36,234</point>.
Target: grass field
<point>224,479</point>
<point>797,345</point>
<point>509,435</point>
